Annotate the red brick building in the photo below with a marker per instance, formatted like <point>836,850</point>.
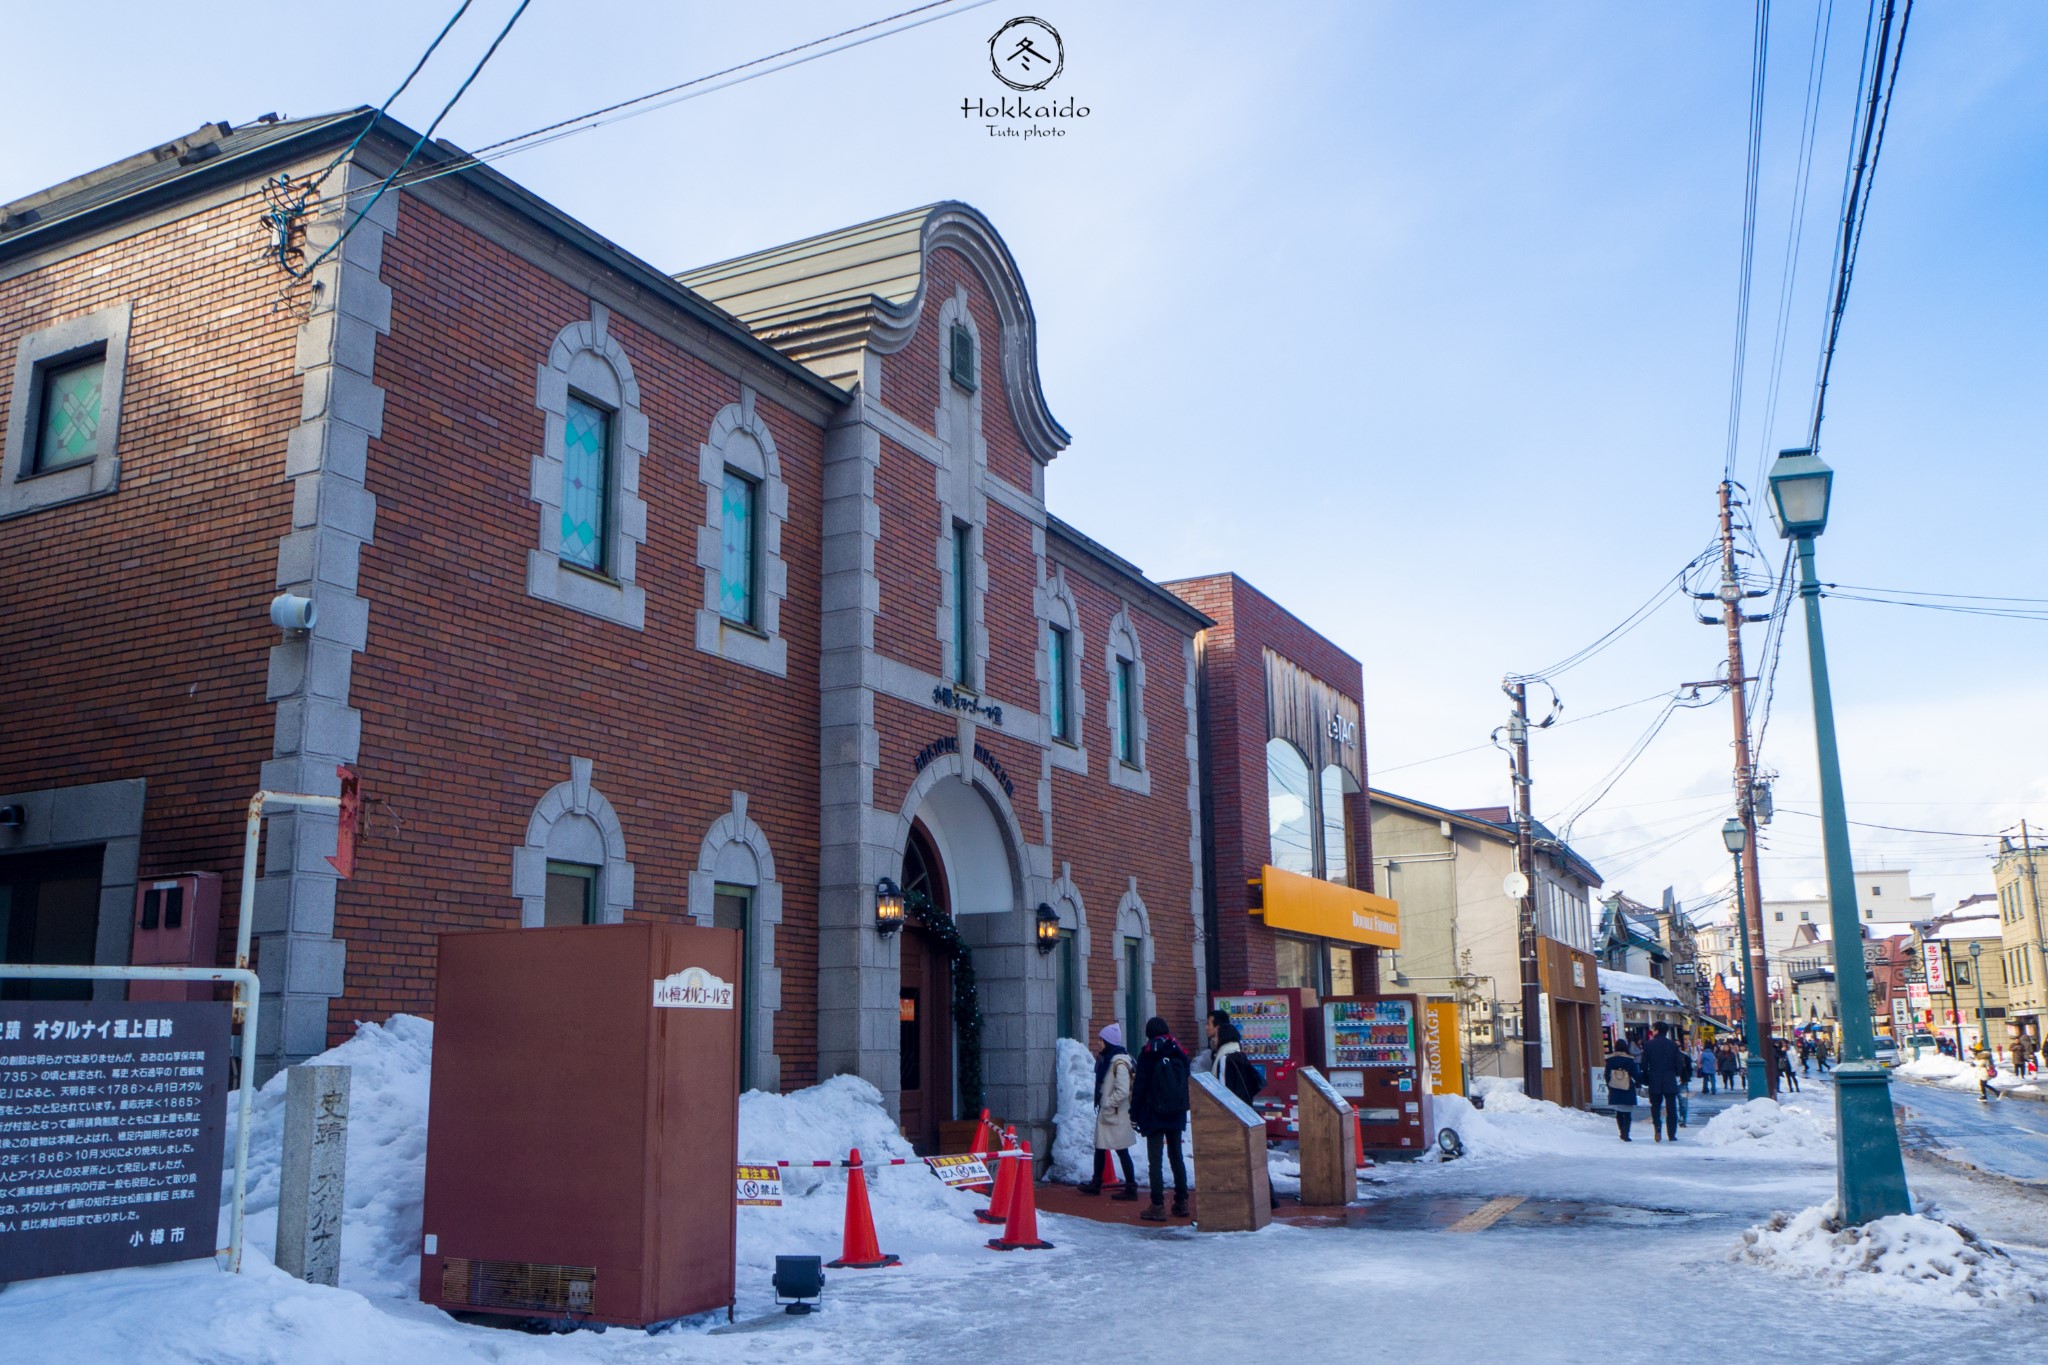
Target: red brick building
<point>730,596</point>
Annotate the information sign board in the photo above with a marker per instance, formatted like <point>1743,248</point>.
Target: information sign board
<point>112,1120</point>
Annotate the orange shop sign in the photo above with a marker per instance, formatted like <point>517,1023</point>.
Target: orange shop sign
<point>1310,905</point>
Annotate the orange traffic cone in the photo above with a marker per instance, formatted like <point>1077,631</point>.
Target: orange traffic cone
<point>858,1249</point>
<point>1020,1232</point>
<point>998,1209</point>
<point>1109,1176</point>
<point>984,1148</point>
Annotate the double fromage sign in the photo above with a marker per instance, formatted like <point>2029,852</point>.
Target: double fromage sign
<point>692,988</point>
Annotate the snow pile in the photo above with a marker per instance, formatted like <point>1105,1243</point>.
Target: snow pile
<point>1916,1256</point>
<point>1633,986</point>
<point>1512,1124</point>
<point>1766,1124</point>
<point>1073,1143</point>
<point>913,1212</point>
<point>1486,1087</point>
<point>387,1156</point>
<point>1940,1069</point>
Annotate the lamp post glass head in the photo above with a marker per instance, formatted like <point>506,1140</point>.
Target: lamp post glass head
<point>1048,928</point>
<point>1976,950</point>
<point>888,906</point>
<point>1734,835</point>
<point>1800,486</point>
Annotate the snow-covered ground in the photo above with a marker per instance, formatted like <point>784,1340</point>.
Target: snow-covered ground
<point>1637,1225</point>
<point>1939,1069</point>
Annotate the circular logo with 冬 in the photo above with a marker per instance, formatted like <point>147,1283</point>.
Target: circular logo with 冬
<point>1026,53</point>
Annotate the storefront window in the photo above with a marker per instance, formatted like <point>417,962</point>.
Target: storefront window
<point>1342,981</point>
<point>1290,809</point>
<point>1336,834</point>
<point>1296,962</point>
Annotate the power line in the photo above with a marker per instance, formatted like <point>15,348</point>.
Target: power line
<point>417,67</point>
<point>1900,829</point>
<point>2008,613</point>
<point>1759,65</point>
<point>697,86</point>
<point>1669,588</point>
<point>1576,720</point>
<point>1912,592</point>
<point>1862,178</point>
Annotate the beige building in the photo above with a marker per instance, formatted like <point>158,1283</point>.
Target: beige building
<point>2023,945</point>
<point>1976,1002</point>
<point>1460,935</point>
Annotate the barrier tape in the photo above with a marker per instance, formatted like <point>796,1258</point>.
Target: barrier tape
<point>878,1161</point>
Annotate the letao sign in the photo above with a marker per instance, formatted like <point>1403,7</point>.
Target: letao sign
<point>692,988</point>
<point>1310,905</point>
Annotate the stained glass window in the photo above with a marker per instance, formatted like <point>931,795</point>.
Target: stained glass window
<point>586,484</point>
<point>1056,663</point>
<point>736,591</point>
<point>1127,710</point>
<point>70,415</point>
<point>963,613</point>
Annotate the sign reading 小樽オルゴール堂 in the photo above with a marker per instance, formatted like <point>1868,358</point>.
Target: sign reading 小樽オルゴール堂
<point>111,1127</point>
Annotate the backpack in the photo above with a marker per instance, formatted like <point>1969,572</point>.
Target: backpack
<point>1250,1077</point>
<point>1619,1079</point>
<point>1169,1090</point>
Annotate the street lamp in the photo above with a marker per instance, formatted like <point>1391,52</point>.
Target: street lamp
<point>1977,971</point>
<point>1870,1173</point>
<point>1734,835</point>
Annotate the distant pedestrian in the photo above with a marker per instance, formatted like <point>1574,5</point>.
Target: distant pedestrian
<point>1623,1076</point>
<point>1684,1086</point>
<point>1988,1066</point>
<point>1239,1075</point>
<point>1728,1068</point>
<point>1781,1060</point>
<point>1113,1113</point>
<point>1709,1063</point>
<point>1159,1108</point>
<point>1806,1056</point>
<point>1823,1054</point>
<point>1661,1064</point>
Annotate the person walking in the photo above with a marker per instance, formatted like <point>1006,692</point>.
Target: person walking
<point>1662,1061</point>
<point>1684,1085</point>
<point>1113,1113</point>
<point>1806,1055</point>
<point>1159,1109</point>
<point>1727,1064</point>
<point>1989,1067</point>
<point>1709,1063</point>
<point>1239,1076</point>
<point>1623,1076</point>
<point>1781,1059</point>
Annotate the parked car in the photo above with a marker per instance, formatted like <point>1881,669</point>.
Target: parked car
<point>1886,1052</point>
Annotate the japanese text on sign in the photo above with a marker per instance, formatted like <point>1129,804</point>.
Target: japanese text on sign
<point>957,1171</point>
<point>761,1186</point>
<point>111,1125</point>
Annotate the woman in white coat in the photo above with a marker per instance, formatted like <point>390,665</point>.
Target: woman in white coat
<point>1113,1112</point>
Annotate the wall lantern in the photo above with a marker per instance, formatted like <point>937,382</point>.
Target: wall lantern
<point>1048,928</point>
<point>888,907</point>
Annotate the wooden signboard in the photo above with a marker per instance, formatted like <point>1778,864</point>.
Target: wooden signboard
<point>1234,1191</point>
<point>1329,1143</point>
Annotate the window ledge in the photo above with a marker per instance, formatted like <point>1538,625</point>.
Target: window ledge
<point>748,646</point>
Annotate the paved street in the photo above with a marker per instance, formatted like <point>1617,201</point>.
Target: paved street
<point>2007,1137</point>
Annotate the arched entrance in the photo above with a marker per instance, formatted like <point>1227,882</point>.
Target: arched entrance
<point>925,1001</point>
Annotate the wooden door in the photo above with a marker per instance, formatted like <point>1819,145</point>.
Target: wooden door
<point>925,1020</point>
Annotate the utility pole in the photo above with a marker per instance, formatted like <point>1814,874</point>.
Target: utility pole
<point>2034,895</point>
<point>1525,863</point>
<point>1730,595</point>
<point>1955,1010</point>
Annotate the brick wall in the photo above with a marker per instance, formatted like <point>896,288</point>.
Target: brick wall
<point>475,696</point>
<point>136,631</point>
<point>1247,623</point>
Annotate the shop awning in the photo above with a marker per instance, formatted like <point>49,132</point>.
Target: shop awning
<point>1309,905</point>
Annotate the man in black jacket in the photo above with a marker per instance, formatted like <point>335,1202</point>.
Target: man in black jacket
<point>1663,1061</point>
<point>1159,1109</point>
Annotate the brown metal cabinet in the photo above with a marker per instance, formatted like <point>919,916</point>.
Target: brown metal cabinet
<point>583,1127</point>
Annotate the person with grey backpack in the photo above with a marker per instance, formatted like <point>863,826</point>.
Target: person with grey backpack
<point>1623,1076</point>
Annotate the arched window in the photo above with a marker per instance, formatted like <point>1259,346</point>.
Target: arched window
<point>1290,809</point>
<point>1336,830</point>
<point>573,869</point>
<point>734,887</point>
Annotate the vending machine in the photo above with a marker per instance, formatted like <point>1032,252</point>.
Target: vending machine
<point>1370,1053</point>
<point>1281,1031</point>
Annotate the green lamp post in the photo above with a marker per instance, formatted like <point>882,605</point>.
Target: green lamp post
<point>1870,1173</point>
<point>1983,1030</point>
<point>1735,836</point>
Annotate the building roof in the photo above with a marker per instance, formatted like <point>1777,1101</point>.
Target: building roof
<point>1479,820</point>
<point>825,300</point>
<point>1064,533</point>
<point>218,156</point>
<point>1633,986</point>
<point>1968,926</point>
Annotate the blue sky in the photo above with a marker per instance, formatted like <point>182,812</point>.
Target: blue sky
<point>1419,316</point>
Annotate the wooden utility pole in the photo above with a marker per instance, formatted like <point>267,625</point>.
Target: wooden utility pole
<point>1525,863</point>
<point>1730,595</point>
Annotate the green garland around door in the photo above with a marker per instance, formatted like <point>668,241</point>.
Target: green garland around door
<point>966,995</point>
